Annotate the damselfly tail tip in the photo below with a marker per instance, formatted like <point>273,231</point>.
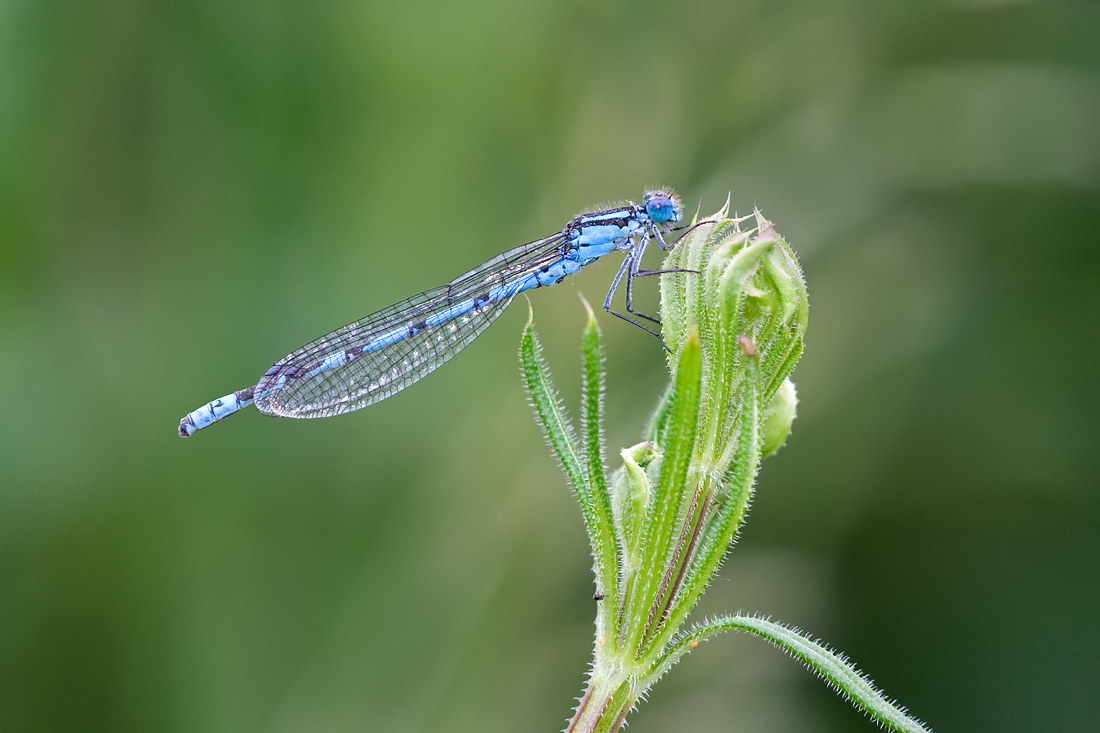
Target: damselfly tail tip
<point>215,411</point>
<point>187,427</point>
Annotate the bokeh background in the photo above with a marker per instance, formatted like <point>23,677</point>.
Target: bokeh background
<point>189,190</point>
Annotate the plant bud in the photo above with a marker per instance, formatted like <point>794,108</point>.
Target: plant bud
<point>778,418</point>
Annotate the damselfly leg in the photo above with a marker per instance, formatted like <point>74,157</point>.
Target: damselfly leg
<point>631,268</point>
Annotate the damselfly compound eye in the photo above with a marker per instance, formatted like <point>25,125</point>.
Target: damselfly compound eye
<point>661,207</point>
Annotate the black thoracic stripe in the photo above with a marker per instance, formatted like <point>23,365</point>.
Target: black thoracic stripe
<point>578,224</point>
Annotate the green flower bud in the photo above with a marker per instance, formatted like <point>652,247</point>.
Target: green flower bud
<point>778,418</point>
<point>631,490</point>
<point>748,288</point>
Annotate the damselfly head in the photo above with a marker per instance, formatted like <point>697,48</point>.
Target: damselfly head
<point>662,206</point>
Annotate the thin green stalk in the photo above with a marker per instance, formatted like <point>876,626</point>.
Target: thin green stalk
<point>837,671</point>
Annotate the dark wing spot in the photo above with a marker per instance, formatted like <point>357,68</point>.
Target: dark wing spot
<point>353,352</point>
<point>415,328</point>
<point>272,371</point>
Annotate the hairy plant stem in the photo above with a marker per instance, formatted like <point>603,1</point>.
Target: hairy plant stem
<point>734,314</point>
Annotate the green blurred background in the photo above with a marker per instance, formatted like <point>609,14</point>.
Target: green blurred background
<point>188,190</point>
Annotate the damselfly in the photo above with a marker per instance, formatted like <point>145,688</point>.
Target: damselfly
<point>379,355</point>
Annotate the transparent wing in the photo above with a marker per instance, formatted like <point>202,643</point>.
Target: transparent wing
<point>381,354</point>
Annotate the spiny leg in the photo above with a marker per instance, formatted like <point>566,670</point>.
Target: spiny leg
<point>625,270</point>
<point>630,300</point>
<point>636,260</point>
<point>637,272</point>
<point>689,230</point>
<point>661,240</point>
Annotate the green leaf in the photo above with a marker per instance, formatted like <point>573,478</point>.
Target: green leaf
<point>630,500</point>
<point>552,416</point>
<point>655,428</point>
<point>834,668</point>
<point>605,542</point>
<point>722,528</point>
<point>679,291</point>
<point>678,448</point>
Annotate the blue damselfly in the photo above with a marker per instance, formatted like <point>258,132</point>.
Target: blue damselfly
<point>381,354</point>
